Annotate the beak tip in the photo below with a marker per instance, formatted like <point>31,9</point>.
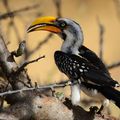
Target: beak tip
<point>29,29</point>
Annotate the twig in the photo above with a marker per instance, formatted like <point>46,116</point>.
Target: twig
<point>25,84</point>
<point>29,80</point>
<point>113,65</point>
<point>58,7</point>
<point>15,12</point>
<point>55,85</point>
<point>27,63</point>
<point>117,6</point>
<point>101,33</point>
<point>12,23</point>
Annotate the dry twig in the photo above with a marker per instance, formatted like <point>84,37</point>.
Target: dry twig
<point>16,12</point>
<point>101,33</point>
<point>21,68</point>
<point>50,86</point>
<point>114,65</point>
<point>58,7</point>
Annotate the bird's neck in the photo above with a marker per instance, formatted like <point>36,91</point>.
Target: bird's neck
<point>72,44</point>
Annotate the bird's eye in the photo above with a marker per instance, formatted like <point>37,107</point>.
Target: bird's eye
<point>63,24</point>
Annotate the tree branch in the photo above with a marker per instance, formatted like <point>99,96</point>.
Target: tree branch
<point>58,7</point>
<point>114,65</point>
<point>8,67</point>
<point>101,33</point>
<point>50,86</point>
<point>21,68</point>
<point>15,12</point>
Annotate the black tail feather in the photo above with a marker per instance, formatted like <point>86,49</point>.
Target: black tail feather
<point>109,92</point>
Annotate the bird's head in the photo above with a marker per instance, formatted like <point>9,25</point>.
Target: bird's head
<point>62,26</point>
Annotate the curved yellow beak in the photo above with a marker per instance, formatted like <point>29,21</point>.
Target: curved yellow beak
<point>44,23</point>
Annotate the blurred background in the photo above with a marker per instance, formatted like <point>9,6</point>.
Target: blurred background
<point>99,19</point>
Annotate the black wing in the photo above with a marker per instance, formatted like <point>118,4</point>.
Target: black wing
<point>92,58</point>
<point>76,67</point>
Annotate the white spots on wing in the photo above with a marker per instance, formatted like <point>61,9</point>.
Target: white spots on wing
<point>82,66</point>
<point>74,66</point>
<point>81,70</point>
<point>88,68</point>
<point>85,70</point>
<point>70,68</point>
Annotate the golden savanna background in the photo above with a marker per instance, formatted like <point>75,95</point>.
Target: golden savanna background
<point>90,14</point>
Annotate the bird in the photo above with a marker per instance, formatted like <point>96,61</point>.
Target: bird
<point>78,62</point>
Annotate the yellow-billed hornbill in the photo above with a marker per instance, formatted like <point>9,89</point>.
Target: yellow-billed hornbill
<point>78,62</point>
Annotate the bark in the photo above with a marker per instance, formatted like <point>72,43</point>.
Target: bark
<point>9,67</point>
<point>49,108</point>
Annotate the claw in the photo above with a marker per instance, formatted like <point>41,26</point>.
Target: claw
<point>93,109</point>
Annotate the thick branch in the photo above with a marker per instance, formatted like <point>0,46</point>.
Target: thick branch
<point>9,66</point>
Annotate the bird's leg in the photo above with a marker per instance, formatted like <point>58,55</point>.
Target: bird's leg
<point>75,93</point>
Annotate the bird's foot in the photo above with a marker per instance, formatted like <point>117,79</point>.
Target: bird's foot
<point>93,109</point>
